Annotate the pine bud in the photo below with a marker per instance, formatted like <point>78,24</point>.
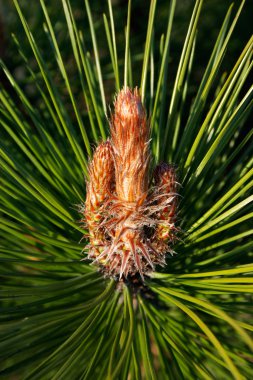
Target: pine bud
<point>130,225</point>
<point>166,186</point>
<point>99,187</point>
<point>130,140</point>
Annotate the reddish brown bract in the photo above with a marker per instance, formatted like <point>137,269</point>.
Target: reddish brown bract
<point>131,227</point>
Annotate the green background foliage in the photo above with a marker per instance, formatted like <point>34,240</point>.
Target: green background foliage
<point>60,319</point>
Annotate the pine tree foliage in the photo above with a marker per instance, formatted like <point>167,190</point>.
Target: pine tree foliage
<point>60,318</point>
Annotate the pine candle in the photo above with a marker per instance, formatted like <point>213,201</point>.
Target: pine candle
<point>130,215</point>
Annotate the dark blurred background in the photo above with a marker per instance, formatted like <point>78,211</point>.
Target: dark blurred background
<point>211,19</point>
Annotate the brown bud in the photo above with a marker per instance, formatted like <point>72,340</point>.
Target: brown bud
<point>99,186</point>
<point>166,198</point>
<point>130,140</point>
<point>165,177</point>
<point>101,172</point>
<point>129,224</point>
